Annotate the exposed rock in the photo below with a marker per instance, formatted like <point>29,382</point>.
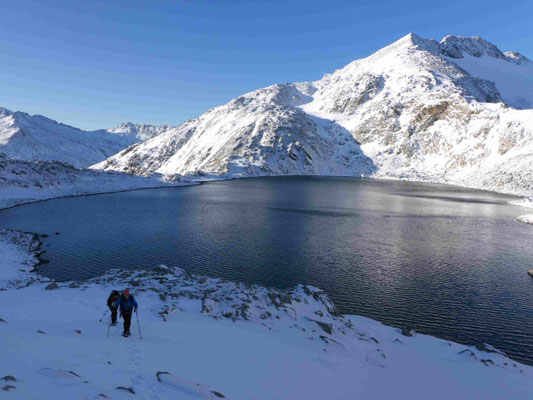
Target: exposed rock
<point>406,331</point>
<point>488,362</point>
<point>489,349</point>
<point>326,327</point>
<point>40,331</point>
<point>469,353</point>
<point>125,389</point>
<point>51,286</point>
<point>7,388</point>
<point>159,373</point>
<point>3,320</point>
<point>9,378</point>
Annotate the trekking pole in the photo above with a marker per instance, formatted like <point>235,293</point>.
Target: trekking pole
<point>108,326</point>
<point>104,315</point>
<point>138,325</point>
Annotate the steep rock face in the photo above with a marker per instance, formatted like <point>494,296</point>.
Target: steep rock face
<point>414,110</point>
<point>456,46</point>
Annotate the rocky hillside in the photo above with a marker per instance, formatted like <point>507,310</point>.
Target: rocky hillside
<point>35,137</point>
<point>454,111</point>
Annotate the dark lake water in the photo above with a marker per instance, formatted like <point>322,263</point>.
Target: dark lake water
<point>446,261</point>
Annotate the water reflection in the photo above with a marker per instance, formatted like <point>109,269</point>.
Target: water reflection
<point>447,261</point>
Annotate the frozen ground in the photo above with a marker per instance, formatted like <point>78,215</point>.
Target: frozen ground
<point>206,338</point>
<point>28,181</point>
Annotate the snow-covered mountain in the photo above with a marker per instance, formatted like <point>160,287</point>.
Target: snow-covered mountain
<point>35,137</point>
<point>456,111</point>
<point>139,132</point>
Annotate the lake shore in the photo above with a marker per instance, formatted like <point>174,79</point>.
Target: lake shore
<point>208,337</point>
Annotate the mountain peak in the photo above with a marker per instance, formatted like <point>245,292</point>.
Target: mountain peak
<point>516,57</point>
<point>475,46</point>
<point>5,111</point>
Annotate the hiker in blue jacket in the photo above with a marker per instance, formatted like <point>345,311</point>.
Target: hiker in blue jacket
<point>127,304</point>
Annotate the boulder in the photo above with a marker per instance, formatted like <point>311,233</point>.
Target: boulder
<point>406,331</point>
<point>489,349</point>
<point>326,327</point>
<point>51,286</point>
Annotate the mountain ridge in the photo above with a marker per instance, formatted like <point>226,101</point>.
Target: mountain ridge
<point>36,137</point>
<point>407,111</point>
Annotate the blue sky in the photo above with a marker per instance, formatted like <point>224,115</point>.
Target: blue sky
<point>94,64</point>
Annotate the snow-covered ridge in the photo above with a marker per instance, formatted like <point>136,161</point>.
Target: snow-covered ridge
<point>210,338</point>
<point>35,137</point>
<point>416,109</point>
<point>140,132</point>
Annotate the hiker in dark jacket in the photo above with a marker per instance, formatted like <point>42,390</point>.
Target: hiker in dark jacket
<point>127,304</point>
<point>113,297</point>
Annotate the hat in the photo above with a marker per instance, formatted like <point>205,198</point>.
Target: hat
<point>126,292</point>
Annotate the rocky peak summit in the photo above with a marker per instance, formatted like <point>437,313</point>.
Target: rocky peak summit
<point>457,46</point>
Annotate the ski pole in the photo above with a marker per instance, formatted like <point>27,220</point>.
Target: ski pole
<point>138,325</point>
<point>104,315</point>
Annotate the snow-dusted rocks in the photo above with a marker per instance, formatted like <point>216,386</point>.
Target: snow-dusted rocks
<point>527,218</point>
<point>417,109</point>
<point>207,338</point>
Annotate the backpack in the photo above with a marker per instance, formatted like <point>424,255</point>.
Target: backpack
<point>112,297</point>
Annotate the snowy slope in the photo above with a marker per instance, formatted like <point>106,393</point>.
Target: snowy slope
<point>511,71</point>
<point>35,137</point>
<point>417,109</point>
<point>28,181</point>
<point>206,338</point>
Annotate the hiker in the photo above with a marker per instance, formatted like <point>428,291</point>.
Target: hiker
<point>113,297</point>
<point>127,304</point>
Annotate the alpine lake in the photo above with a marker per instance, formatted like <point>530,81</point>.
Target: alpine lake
<point>443,260</point>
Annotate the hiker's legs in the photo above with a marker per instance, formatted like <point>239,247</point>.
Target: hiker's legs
<point>127,321</point>
<point>113,314</point>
